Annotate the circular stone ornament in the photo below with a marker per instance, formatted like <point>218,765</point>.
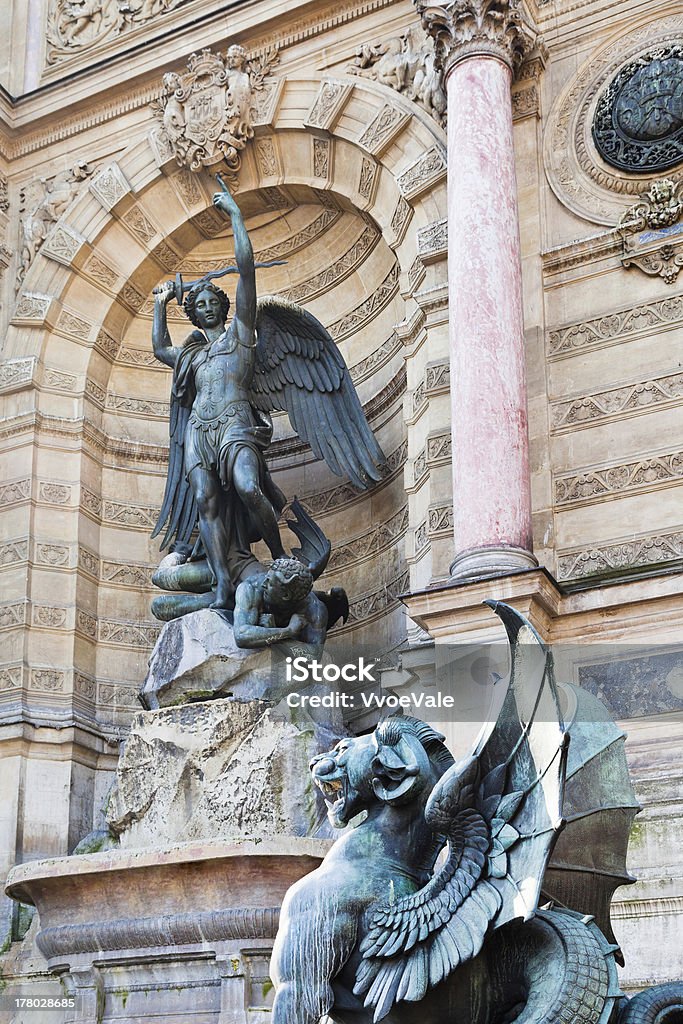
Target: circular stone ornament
<point>638,123</point>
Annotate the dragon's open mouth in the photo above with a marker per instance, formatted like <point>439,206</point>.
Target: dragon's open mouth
<point>334,792</point>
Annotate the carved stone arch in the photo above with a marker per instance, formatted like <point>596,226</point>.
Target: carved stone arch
<point>84,317</point>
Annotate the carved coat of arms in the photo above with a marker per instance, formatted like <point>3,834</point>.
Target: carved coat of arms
<point>206,113</point>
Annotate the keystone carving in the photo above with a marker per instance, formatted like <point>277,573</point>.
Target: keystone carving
<point>206,114</point>
<point>461,28</point>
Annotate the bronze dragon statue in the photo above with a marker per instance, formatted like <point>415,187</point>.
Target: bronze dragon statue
<point>445,894</point>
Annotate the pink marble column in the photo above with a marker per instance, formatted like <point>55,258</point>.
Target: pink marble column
<point>479,43</point>
<point>491,495</point>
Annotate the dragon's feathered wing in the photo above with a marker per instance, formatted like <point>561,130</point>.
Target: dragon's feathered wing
<point>300,370</point>
<point>501,811</point>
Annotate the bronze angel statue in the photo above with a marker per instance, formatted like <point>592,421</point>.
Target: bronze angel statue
<point>511,922</point>
<point>228,377</point>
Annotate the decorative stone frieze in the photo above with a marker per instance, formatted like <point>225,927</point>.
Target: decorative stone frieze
<point>618,478</point>
<point>622,556</point>
<point>321,157</point>
<point>367,309</point>
<point>18,490</point>
<point>383,129</point>
<point>72,27</point>
<point>423,173</point>
<point>15,373</point>
<point>611,328</point>
<point>32,307</point>
<point>460,28</point>
<point>617,402</point>
<point>349,261</point>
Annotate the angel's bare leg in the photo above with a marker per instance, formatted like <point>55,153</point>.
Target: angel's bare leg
<point>207,492</point>
<point>245,480</point>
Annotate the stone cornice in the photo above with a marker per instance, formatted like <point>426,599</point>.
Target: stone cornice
<point>98,103</point>
<point>465,28</point>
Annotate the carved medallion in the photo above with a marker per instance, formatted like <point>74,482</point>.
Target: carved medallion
<point>638,125</point>
<point>206,113</point>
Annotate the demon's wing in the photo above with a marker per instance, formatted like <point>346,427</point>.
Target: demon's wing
<point>300,370</point>
<point>178,509</point>
<point>500,810</point>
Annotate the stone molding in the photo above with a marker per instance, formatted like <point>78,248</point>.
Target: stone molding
<point>369,606</point>
<point>436,381</point>
<point>369,308</point>
<point>624,556</point>
<point>580,179</point>
<point>439,522</point>
<point>437,451</point>
<point>15,374</point>
<point>370,543</point>
<point>616,403</point>
<point>471,28</point>
<point>336,272</point>
<point>612,328</point>
<point>165,930</point>
<point>615,479</point>
<point>340,497</point>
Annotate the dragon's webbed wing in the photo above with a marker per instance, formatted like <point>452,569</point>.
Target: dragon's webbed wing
<point>178,512</point>
<point>500,811</point>
<point>300,370</point>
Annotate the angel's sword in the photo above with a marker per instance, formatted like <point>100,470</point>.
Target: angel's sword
<point>181,287</point>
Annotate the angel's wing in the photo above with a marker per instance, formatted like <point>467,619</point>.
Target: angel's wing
<point>178,508</point>
<point>500,812</point>
<point>300,370</point>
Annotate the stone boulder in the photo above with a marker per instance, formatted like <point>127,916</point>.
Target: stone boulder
<point>224,769</point>
<point>196,658</point>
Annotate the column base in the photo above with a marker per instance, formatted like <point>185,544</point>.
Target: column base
<point>483,563</point>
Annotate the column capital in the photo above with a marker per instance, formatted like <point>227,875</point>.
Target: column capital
<point>465,28</point>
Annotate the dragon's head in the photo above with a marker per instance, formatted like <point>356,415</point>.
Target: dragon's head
<point>396,763</point>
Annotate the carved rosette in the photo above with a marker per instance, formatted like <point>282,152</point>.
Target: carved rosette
<point>464,28</point>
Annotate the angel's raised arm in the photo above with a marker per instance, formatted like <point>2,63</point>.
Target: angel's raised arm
<point>245,297</point>
<point>161,339</point>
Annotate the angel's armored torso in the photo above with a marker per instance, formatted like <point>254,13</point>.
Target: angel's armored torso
<point>223,373</point>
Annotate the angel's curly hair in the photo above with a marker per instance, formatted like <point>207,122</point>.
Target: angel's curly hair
<point>193,294</point>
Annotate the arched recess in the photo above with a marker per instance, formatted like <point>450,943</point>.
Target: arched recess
<point>349,146</point>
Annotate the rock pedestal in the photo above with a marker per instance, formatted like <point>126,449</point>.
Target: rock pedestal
<point>222,769</point>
